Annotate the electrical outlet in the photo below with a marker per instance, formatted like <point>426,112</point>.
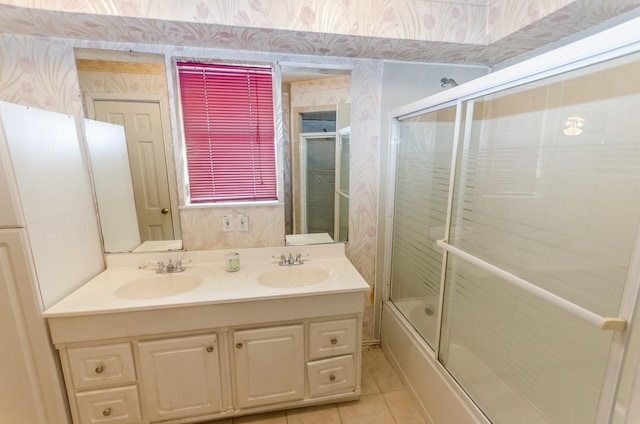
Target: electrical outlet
<point>227,223</point>
<point>243,222</point>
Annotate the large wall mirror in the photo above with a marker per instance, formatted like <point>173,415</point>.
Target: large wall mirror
<point>316,117</point>
<point>130,90</point>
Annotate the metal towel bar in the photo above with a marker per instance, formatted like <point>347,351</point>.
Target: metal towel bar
<point>604,323</point>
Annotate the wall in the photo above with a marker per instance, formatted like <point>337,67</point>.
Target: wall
<point>40,72</point>
<point>471,21</point>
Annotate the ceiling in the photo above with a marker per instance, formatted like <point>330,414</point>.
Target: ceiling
<point>574,20</point>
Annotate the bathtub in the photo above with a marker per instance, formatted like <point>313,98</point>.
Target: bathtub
<point>405,326</point>
<point>421,314</point>
<point>439,397</point>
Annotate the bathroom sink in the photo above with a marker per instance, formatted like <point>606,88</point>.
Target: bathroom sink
<point>157,285</point>
<point>294,276</point>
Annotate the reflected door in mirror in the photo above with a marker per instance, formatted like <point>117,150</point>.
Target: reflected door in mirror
<point>317,173</point>
<point>143,129</point>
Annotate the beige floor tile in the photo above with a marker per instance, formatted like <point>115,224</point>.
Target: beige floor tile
<point>324,414</point>
<point>278,417</point>
<point>370,409</point>
<point>403,408</point>
<point>368,384</point>
<point>372,357</point>
<point>375,364</point>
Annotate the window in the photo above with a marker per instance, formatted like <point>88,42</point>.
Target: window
<point>227,113</point>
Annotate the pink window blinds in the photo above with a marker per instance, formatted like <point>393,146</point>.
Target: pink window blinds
<point>227,112</point>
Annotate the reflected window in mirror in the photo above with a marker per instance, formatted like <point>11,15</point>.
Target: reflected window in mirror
<point>228,124</point>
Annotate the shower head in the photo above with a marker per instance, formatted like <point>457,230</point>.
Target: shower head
<point>448,81</point>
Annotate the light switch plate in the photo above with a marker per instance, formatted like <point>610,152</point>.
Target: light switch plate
<point>243,222</point>
<point>227,223</point>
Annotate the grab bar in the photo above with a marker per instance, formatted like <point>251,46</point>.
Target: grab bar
<point>604,323</point>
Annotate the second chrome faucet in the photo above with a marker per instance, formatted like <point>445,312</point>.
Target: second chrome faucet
<point>291,260</point>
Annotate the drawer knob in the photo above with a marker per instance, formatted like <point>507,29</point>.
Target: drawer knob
<point>239,345</point>
<point>99,369</point>
<point>209,349</point>
<point>332,377</point>
<point>334,341</point>
<point>106,412</point>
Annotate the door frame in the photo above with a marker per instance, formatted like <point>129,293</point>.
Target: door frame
<point>163,104</point>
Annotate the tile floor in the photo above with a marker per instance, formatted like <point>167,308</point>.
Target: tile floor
<point>384,400</point>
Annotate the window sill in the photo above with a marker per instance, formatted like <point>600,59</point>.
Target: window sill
<point>232,205</point>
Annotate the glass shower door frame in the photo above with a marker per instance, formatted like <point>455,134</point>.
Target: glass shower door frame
<point>304,139</point>
<point>632,287</point>
<point>393,155</point>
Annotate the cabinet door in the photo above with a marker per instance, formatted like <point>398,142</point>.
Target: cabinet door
<point>181,377</point>
<point>269,365</point>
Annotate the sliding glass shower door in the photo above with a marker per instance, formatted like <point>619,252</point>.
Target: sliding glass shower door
<point>537,233</point>
<point>421,191</point>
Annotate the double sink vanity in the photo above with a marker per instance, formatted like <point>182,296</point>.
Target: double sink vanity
<point>138,346</point>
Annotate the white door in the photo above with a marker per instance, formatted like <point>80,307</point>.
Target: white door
<point>142,123</point>
<point>30,389</point>
<point>181,377</point>
<point>269,365</point>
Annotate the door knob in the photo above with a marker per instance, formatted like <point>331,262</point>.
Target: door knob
<point>164,211</point>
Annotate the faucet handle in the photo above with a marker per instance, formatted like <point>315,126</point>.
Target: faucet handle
<point>179,264</point>
<point>298,259</point>
<point>162,268</point>
<point>282,259</point>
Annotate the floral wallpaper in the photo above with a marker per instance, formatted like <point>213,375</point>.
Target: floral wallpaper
<point>447,31</point>
<point>37,64</point>
<point>41,72</point>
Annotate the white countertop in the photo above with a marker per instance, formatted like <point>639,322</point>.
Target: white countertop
<point>159,246</point>
<point>98,296</point>
<point>306,239</point>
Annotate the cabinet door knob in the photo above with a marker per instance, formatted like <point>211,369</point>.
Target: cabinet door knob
<point>334,341</point>
<point>332,377</point>
<point>209,349</point>
<point>239,345</point>
<point>106,412</point>
<point>99,369</point>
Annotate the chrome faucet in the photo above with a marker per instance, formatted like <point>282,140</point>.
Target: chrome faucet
<point>291,260</point>
<point>170,267</point>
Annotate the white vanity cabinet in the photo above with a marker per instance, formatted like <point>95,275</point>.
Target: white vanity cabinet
<point>212,361</point>
<point>102,383</point>
<point>332,357</point>
<point>181,377</point>
<point>269,365</point>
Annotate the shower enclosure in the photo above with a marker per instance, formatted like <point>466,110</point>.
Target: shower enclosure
<point>514,254</point>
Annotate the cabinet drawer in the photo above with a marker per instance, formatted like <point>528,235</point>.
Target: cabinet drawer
<point>332,338</point>
<point>118,405</point>
<point>331,375</point>
<point>100,366</point>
